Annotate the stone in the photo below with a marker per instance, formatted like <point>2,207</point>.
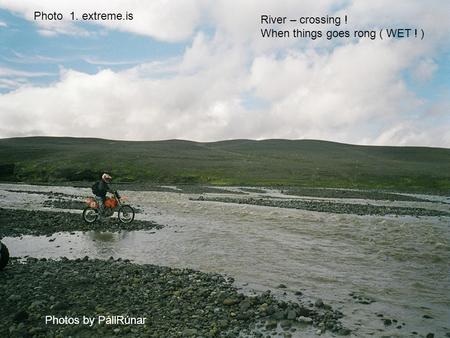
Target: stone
<point>271,324</point>
<point>223,323</point>
<point>263,307</point>
<point>14,298</point>
<point>245,305</point>
<point>286,324</point>
<point>230,301</point>
<point>278,315</point>
<point>291,315</point>
<point>189,332</point>
<point>305,320</point>
<point>344,331</point>
<point>319,303</point>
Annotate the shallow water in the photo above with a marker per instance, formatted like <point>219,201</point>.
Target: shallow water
<point>400,262</point>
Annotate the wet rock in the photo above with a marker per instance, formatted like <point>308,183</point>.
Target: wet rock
<point>271,324</point>
<point>291,315</point>
<point>327,307</point>
<point>361,299</point>
<point>344,332</point>
<point>305,320</point>
<point>319,303</point>
<point>279,315</point>
<point>270,310</point>
<point>285,324</point>
<point>333,207</point>
<point>303,311</point>
<point>263,307</point>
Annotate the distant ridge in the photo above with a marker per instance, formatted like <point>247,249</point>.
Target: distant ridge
<point>311,163</point>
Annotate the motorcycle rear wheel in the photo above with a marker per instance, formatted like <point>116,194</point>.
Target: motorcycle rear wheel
<point>90,215</point>
<point>126,214</point>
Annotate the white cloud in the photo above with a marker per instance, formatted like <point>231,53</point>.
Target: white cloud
<point>9,84</point>
<point>9,72</point>
<point>12,78</point>
<point>20,58</point>
<point>99,62</point>
<point>350,92</point>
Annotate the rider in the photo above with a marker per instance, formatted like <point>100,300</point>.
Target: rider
<point>101,190</point>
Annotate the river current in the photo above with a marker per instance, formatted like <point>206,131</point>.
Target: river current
<point>400,264</point>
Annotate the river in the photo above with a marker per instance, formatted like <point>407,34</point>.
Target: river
<point>399,263</point>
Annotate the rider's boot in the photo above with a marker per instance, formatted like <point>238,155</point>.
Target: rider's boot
<point>101,212</point>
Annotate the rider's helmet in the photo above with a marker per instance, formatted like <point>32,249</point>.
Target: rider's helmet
<point>107,178</point>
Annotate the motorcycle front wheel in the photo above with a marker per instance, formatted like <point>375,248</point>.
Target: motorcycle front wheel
<point>126,214</point>
<point>90,215</point>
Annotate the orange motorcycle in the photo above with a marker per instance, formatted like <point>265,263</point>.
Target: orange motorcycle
<point>125,212</point>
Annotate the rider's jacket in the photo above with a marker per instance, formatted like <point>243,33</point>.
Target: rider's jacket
<point>103,188</point>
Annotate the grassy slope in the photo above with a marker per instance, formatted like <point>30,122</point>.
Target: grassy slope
<point>267,162</point>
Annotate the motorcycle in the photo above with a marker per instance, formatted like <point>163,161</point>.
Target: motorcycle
<point>4,255</point>
<point>125,212</point>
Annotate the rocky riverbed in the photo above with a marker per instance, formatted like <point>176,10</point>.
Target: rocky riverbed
<point>349,193</point>
<point>328,206</point>
<point>15,222</point>
<point>174,303</point>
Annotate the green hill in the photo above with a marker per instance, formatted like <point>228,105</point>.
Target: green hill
<point>239,162</point>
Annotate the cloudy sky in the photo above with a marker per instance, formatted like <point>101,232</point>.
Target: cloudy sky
<point>200,70</point>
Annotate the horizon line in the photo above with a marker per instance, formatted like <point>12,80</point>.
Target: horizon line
<point>223,140</point>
